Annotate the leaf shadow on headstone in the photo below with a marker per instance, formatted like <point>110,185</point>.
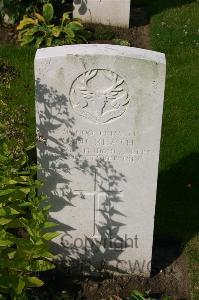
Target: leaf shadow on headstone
<point>95,253</point>
<point>82,6</point>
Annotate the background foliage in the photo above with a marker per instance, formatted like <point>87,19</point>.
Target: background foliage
<point>24,221</point>
<point>15,9</point>
<point>41,30</point>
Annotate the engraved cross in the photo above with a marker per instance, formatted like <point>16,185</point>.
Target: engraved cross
<point>97,193</point>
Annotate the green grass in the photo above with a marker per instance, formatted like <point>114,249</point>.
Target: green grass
<point>21,90</point>
<point>174,30</point>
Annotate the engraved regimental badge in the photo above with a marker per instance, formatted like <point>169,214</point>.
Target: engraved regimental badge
<point>99,95</point>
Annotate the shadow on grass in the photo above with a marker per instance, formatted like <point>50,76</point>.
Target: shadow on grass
<point>143,10</point>
<point>177,206</point>
<point>156,6</point>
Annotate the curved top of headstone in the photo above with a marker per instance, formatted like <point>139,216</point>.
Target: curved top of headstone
<point>100,49</point>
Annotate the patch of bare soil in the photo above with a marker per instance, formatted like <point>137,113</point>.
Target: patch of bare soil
<point>141,37</point>
<point>137,35</point>
<point>168,279</point>
<point>8,34</point>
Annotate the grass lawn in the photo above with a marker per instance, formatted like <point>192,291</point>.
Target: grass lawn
<point>21,90</point>
<point>174,31</point>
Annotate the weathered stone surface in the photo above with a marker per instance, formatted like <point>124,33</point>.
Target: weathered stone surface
<point>99,113</point>
<point>107,12</point>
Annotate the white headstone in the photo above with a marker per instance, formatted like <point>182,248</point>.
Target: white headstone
<point>107,12</point>
<point>99,113</point>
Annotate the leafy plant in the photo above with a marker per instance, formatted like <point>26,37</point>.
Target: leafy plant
<point>12,11</point>
<point>137,295</point>
<point>39,31</point>
<point>24,223</point>
<point>121,42</point>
